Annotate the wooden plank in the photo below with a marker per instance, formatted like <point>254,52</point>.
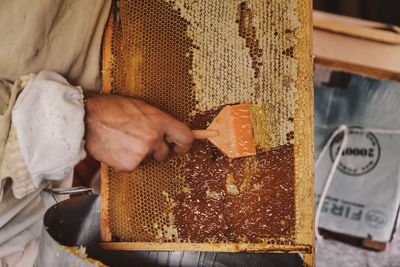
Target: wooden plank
<point>227,247</point>
<point>309,259</point>
<point>105,231</point>
<point>375,58</point>
<point>304,133</point>
<point>369,243</point>
<point>375,72</point>
<point>324,22</point>
<point>349,20</point>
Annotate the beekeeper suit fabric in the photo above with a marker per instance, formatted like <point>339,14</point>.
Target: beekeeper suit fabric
<point>49,52</point>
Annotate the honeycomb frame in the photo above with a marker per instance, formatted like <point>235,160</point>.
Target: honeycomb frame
<point>303,163</point>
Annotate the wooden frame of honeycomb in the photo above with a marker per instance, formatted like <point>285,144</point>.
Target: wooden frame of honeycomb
<point>303,241</point>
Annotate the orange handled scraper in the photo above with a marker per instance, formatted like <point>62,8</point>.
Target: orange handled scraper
<point>231,131</point>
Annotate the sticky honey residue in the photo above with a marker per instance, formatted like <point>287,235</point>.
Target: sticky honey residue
<point>212,194</point>
<point>81,253</point>
<point>231,187</point>
<point>255,195</point>
<point>260,129</point>
<point>250,167</point>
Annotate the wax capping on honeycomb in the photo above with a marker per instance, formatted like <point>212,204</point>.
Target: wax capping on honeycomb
<point>190,59</point>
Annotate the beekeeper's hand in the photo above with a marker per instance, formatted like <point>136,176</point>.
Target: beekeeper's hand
<point>122,131</point>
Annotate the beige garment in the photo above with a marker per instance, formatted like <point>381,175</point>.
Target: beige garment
<point>22,258</point>
<point>8,95</point>
<point>55,35</point>
<point>13,166</point>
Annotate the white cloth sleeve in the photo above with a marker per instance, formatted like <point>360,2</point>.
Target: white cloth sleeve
<point>48,118</point>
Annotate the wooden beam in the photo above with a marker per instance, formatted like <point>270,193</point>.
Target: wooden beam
<point>222,247</point>
<point>105,231</point>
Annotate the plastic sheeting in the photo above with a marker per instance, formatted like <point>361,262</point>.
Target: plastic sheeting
<point>363,197</point>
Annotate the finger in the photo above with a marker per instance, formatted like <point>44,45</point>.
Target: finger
<point>161,152</point>
<point>127,162</point>
<point>129,153</point>
<point>178,133</point>
<point>168,140</point>
<point>146,160</point>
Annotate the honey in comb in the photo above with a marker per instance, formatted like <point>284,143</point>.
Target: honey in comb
<point>236,200</point>
<point>189,59</point>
